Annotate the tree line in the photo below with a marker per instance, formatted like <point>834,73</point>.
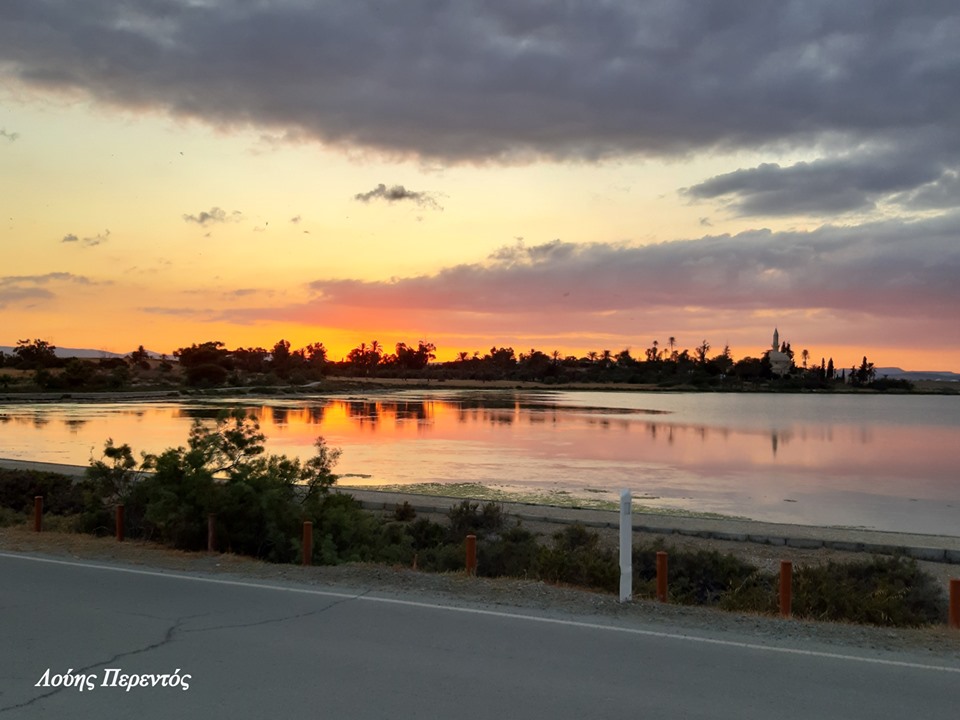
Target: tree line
<point>213,364</point>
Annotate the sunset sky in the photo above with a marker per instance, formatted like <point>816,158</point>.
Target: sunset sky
<point>534,173</point>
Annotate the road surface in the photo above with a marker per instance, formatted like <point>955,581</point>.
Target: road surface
<point>255,649</point>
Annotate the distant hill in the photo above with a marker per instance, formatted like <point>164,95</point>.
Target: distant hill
<point>895,373</point>
<point>80,353</point>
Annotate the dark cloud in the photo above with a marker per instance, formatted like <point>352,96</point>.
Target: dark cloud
<point>211,216</point>
<point>20,288</point>
<point>855,181</point>
<point>398,193</point>
<point>10,136</point>
<point>893,268</point>
<point>507,79</point>
<point>92,241</point>
<point>943,193</point>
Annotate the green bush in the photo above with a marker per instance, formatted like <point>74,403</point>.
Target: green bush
<point>576,558</point>
<point>12,518</point>
<point>18,488</point>
<point>515,553</point>
<point>879,591</point>
<point>698,577</point>
<point>346,532</point>
<point>469,518</point>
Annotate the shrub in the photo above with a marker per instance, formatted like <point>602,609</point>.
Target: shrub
<point>18,488</point>
<point>347,533</point>
<point>879,591</point>
<point>697,577</point>
<point>404,512</point>
<point>469,518</point>
<point>515,553</point>
<point>577,558</point>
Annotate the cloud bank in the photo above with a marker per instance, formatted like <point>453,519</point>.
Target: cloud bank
<point>507,78</point>
<point>894,280</point>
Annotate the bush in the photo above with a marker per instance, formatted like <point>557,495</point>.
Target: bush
<point>576,558</point>
<point>880,591</point>
<point>469,518</point>
<point>18,488</point>
<point>404,512</point>
<point>699,577</point>
<point>515,553</point>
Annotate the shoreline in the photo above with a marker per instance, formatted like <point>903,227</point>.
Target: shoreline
<point>931,548</point>
<point>340,384</point>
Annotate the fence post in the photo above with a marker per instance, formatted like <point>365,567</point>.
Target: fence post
<point>955,604</point>
<point>786,588</point>
<point>471,554</point>
<point>661,576</point>
<point>307,542</point>
<point>120,522</point>
<point>38,513</point>
<point>212,532</point>
<point>626,547</point>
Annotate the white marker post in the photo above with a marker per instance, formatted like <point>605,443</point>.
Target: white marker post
<point>626,546</point>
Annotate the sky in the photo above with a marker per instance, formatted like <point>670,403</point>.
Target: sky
<point>549,174</point>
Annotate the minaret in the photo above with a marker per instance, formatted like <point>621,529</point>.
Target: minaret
<point>776,340</point>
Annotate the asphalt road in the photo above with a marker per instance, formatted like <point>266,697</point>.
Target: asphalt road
<point>259,650</point>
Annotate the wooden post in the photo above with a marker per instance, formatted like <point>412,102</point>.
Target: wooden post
<point>307,542</point>
<point>955,604</point>
<point>661,576</point>
<point>786,588</point>
<point>471,554</point>
<point>120,522</point>
<point>212,532</point>
<point>38,513</point>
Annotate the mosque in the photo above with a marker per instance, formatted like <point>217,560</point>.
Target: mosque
<point>780,362</point>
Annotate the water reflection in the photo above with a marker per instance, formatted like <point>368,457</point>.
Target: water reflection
<point>675,448</point>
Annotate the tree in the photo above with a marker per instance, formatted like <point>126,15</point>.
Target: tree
<point>140,358</point>
<point>702,351</point>
<point>35,355</point>
<point>865,374</point>
<point>805,355</point>
<point>316,355</point>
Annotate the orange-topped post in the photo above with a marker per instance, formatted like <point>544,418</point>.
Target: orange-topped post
<point>471,554</point>
<point>786,588</point>
<point>38,513</point>
<point>661,576</point>
<point>955,604</point>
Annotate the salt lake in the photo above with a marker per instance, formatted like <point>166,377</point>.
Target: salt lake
<point>886,462</point>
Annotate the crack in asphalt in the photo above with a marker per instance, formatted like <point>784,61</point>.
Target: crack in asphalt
<point>284,618</point>
<point>167,638</point>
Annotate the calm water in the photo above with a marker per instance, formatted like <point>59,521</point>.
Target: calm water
<point>884,462</point>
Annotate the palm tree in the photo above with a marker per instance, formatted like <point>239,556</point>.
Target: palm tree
<point>805,354</point>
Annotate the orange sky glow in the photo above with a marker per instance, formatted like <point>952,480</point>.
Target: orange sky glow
<point>521,189</point>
